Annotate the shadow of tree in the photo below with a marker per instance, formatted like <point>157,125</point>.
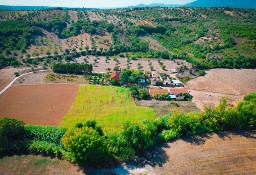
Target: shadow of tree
<point>197,139</point>
<point>157,156</point>
<point>228,134</point>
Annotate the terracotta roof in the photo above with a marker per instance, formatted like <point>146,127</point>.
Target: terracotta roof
<point>115,75</point>
<point>178,90</point>
<point>158,91</point>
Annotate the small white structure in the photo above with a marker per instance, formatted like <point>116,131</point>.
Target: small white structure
<point>176,83</point>
<point>174,71</point>
<point>172,97</point>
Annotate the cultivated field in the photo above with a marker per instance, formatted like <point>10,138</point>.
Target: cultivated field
<point>38,104</point>
<point>232,83</point>
<point>109,106</point>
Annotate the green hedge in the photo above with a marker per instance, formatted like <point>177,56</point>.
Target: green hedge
<point>49,134</point>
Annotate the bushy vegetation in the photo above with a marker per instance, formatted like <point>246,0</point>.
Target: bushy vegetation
<point>17,34</point>
<point>87,144</point>
<point>72,68</point>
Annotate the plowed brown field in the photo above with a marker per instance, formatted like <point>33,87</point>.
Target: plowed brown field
<point>38,104</point>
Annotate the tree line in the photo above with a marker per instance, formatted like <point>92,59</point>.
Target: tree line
<point>72,68</point>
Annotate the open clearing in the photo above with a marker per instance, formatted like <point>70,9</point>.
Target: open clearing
<point>38,104</point>
<point>109,106</point>
<point>232,83</point>
<point>221,153</point>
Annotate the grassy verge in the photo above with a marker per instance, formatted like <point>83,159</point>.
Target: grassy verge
<point>109,106</point>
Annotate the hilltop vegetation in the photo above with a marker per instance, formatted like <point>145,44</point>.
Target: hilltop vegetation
<point>208,38</point>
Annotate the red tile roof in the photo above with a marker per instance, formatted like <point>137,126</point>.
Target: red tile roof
<point>158,91</point>
<point>115,75</point>
<point>178,90</point>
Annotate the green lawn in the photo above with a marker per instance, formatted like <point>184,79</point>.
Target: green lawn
<point>109,106</point>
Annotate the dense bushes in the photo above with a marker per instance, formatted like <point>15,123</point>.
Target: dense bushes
<point>50,134</point>
<point>11,131</point>
<point>12,61</point>
<point>14,136</point>
<point>87,144</point>
<point>72,68</point>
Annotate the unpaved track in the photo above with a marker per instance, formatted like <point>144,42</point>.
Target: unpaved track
<point>16,78</point>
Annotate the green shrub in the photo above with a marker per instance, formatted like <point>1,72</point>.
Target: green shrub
<point>11,130</point>
<point>85,146</point>
<point>50,134</point>
<point>201,72</point>
<point>187,97</point>
<point>118,146</point>
<point>140,136</point>
<point>45,148</point>
<point>161,96</point>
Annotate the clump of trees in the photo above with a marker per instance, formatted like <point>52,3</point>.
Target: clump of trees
<point>72,68</point>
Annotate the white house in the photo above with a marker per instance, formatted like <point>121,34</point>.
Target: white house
<point>176,83</point>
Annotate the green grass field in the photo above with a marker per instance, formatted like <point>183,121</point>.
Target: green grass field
<point>109,106</point>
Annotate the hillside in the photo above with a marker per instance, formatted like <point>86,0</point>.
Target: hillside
<point>208,38</point>
<point>223,3</point>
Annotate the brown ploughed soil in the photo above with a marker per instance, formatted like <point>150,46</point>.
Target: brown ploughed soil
<point>38,104</point>
<point>232,83</point>
<point>221,153</point>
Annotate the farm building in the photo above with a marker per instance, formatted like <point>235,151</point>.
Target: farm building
<point>156,91</point>
<point>178,91</point>
<point>115,75</point>
<point>177,83</point>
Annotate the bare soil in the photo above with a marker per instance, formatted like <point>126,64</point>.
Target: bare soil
<point>73,15</point>
<point>37,165</point>
<point>232,83</point>
<point>221,153</point>
<point>38,104</point>
<point>215,153</point>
